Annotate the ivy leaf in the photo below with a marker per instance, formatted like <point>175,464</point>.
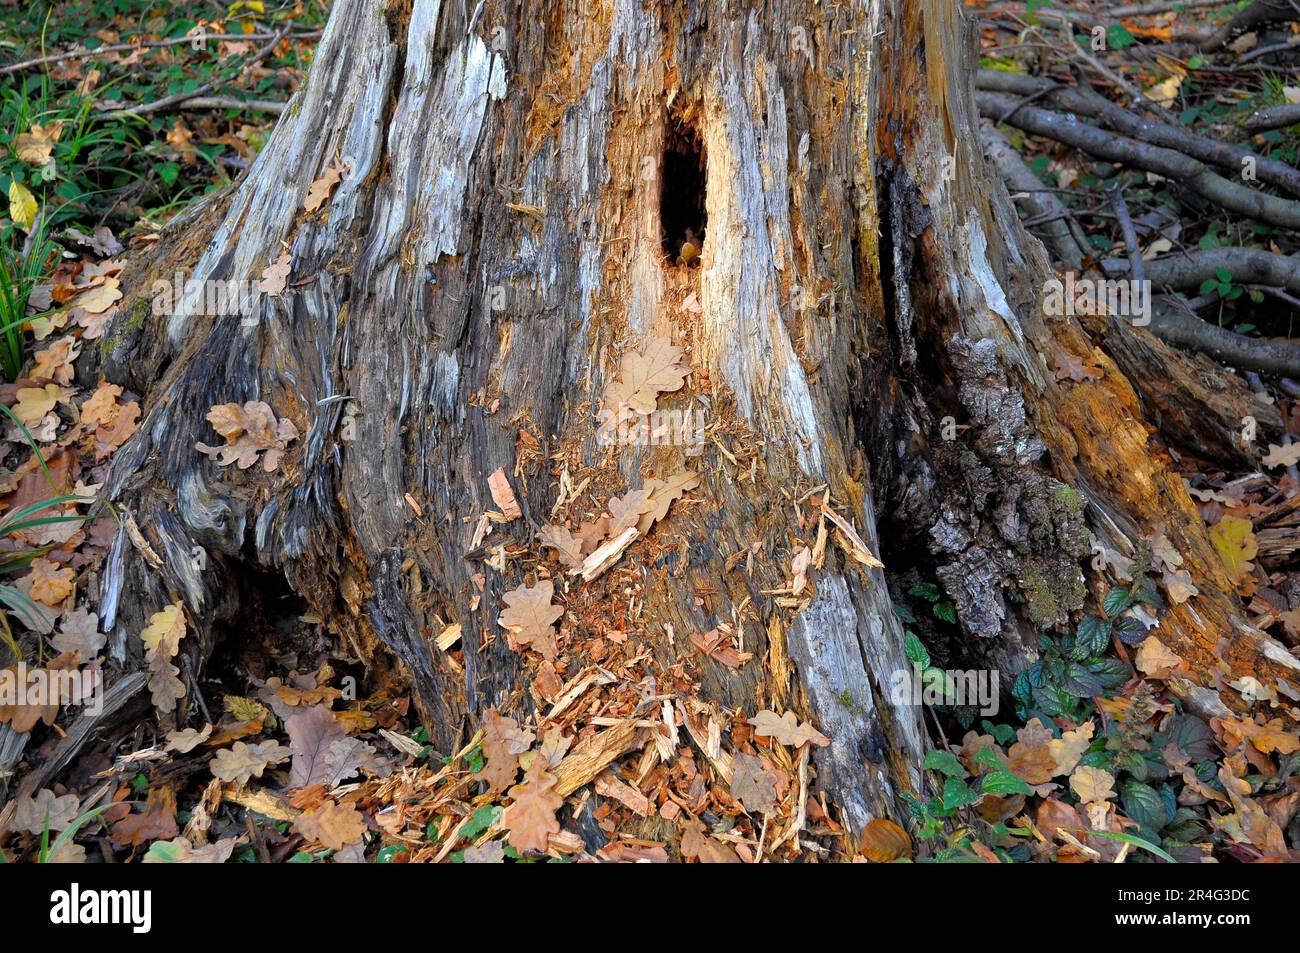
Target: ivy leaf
<point>957,793</point>
<point>926,590</point>
<point>945,762</point>
<point>1003,782</point>
<point>916,652</point>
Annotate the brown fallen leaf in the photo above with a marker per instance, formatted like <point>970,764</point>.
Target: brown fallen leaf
<point>319,191</point>
<point>753,785</point>
<point>332,825</point>
<point>530,617</point>
<point>883,841</point>
<point>242,762</point>
<point>565,544</point>
<point>275,276</point>
<point>310,735</point>
<point>250,431</point>
<point>1071,367</point>
<point>156,822</point>
<point>530,819</point>
<point>697,843</point>
<point>786,729</point>
<point>644,375</point>
<point>162,640</point>
<point>503,742</point>
<point>44,811</point>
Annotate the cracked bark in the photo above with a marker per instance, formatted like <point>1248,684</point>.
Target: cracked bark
<point>853,296</point>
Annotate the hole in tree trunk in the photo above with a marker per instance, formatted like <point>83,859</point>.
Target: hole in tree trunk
<point>682,214</point>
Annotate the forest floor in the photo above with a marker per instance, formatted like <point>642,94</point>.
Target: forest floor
<point>286,749</point>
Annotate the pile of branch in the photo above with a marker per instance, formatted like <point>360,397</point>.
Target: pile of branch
<point>1194,163</point>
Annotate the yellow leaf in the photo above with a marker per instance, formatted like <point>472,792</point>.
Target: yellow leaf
<point>22,206</point>
<point>1166,92</point>
<point>1234,540</point>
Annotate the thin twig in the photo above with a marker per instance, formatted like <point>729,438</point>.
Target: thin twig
<point>200,91</point>
<point>143,45</point>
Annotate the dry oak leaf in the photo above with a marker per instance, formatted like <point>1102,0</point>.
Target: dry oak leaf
<point>242,762</point>
<point>1070,747</point>
<point>319,191</point>
<point>162,640</point>
<point>697,843</point>
<point>1092,784</point>
<point>156,822</point>
<point>503,742</point>
<point>35,402</point>
<point>1072,367</point>
<point>786,729</point>
<point>24,717</point>
<point>275,276</point>
<point>109,437</point>
<point>51,583</point>
<point>333,825</point>
<point>1030,758</point>
<point>188,739</point>
<point>752,785</point>
<point>80,633</point>
<point>99,298</point>
<point>44,811</point>
<point>503,496</point>
<point>1287,456</point>
<point>1180,586</point>
<point>54,363</point>
<point>883,841</point>
<point>530,819</point>
<point>181,851</point>
<point>491,852</point>
<point>249,431</point>
<point>567,546</point>
<point>530,617</point>
<point>34,147</point>
<point>101,407</point>
<point>1156,660</point>
<point>628,510</point>
<point>311,734</point>
<point>1234,540</point>
<point>644,376</point>
<point>661,494</point>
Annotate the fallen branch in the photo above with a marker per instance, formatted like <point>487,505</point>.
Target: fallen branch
<point>1258,14</point>
<point>1187,331</point>
<point>231,102</point>
<point>1025,188</point>
<point>1274,117</point>
<point>1182,169</point>
<point>198,92</point>
<point>81,54</point>
<point>1089,102</point>
<point>1186,271</point>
